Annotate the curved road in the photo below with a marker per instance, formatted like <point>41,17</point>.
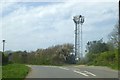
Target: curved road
<point>71,72</point>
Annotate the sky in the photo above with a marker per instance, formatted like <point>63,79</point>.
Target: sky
<point>29,25</point>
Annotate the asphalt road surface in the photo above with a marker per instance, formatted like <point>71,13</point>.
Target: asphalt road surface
<point>71,72</point>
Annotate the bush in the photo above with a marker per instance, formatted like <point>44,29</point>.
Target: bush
<point>108,58</point>
<point>4,59</point>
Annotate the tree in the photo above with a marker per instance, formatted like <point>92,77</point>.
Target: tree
<point>114,36</point>
<point>94,49</point>
<point>96,46</point>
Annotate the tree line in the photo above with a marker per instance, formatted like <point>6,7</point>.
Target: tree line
<point>54,55</point>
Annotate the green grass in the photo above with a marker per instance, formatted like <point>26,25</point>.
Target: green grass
<point>14,71</point>
<point>0,72</point>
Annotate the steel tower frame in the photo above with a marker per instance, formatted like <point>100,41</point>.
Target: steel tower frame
<point>79,20</point>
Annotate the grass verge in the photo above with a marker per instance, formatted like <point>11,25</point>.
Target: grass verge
<point>0,72</point>
<point>14,71</point>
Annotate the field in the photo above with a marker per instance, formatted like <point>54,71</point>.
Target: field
<point>0,72</point>
<point>17,71</point>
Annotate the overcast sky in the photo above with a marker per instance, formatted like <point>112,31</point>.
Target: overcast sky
<point>32,25</point>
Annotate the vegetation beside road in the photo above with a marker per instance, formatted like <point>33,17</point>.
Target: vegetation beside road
<point>101,53</point>
<point>18,71</point>
<point>0,72</point>
<point>108,58</point>
<point>54,55</point>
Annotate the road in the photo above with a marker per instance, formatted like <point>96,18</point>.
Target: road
<point>80,71</point>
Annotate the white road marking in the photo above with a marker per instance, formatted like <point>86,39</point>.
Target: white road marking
<point>90,73</point>
<point>80,66</point>
<point>49,66</point>
<point>63,68</point>
<point>80,73</point>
